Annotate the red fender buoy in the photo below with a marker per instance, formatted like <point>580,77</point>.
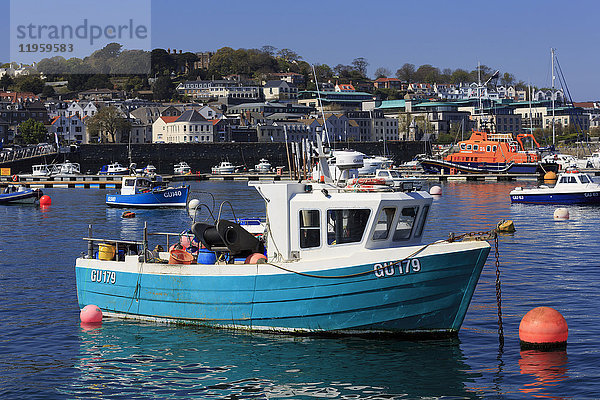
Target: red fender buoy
<point>543,327</point>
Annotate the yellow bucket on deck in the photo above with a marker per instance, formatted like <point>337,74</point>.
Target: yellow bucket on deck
<point>106,251</point>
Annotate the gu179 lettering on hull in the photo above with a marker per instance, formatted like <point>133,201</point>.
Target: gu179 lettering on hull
<point>397,268</point>
<point>103,276</point>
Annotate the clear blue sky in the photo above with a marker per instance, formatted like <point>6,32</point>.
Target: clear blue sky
<point>512,36</point>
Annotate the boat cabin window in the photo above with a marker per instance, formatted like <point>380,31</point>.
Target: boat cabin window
<point>405,223</point>
<point>468,147</point>
<point>310,228</point>
<point>422,219</point>
<point>488,148</point>
<point>584,179</point>
<point>384,223</point>
<point>129,182</point>
<point>462,146</point>
<point>346,226</point>
<point>494,148</point>
<point>475,147</point>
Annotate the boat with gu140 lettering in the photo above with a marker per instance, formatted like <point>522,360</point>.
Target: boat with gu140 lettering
<point>572,187</point>
<point>337,261</point>
<point>487,152</point>
<point>147,192</point>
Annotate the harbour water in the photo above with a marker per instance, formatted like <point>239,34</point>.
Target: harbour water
<point>45,353</point>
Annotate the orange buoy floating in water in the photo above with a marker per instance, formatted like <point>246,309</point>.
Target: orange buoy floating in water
<point>561,213</point>
<point>543,328</point>
<point>435,191</point>
<point>128,214</point>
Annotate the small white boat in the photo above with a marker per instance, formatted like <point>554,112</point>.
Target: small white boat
<point>41,170</point>
<point>182,168</point>
<point>572,187</point>
<point>149,170</point>
<point>67,168</point>
<point>370,164</point>
<point>593,161</point>
<point>564,161</point>
<point>225,167</point>
<point>113,169</point>
<point>263,166</point>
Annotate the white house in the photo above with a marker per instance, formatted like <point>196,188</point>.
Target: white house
<point>69,129</point>
<point>189,127</point>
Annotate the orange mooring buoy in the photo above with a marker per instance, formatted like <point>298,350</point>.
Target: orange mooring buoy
<point>543,328</point>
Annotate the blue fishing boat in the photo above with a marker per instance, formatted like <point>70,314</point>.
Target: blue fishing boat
<point>572,187</point>
<point>20,194</point>
<point>337,261</point>
<point>145,192</point>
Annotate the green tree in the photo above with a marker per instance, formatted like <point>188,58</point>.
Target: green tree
<point>162,62</point>
<point>107,122</point>
<point>6,81</point>
<point>427,73</point>
<point>406,73</point>
<point>48,91</point>
<point>31,84</point>
<point>382,72</point>
<point>163,88</point>
<point>33,131</point>
<point>360,65</point>
<point>460,76</point>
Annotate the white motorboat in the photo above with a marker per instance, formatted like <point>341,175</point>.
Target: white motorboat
<point>224,167</point>
<point>572,187</point>
<point>67,168</point>
<point>113,169</point>
<point>263,166</point>
<point>41,170</point>
<point>370,164</point>
<point>182,168</point>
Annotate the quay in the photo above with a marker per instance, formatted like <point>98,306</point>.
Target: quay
<point>114,181</point>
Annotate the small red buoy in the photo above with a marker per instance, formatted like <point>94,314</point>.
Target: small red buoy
<point>91,314</point>
<point>543,328</point>
<point>45,201</point>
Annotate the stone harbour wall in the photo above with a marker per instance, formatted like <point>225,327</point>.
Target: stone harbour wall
<point>202,156</point>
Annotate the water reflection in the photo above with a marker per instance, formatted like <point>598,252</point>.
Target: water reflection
<point>547,367</point>
<point>126,359</point>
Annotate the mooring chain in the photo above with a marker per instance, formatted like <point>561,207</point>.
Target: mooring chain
<point>499,295</point>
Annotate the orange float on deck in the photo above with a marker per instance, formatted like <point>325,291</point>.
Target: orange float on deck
<point>543,327</point>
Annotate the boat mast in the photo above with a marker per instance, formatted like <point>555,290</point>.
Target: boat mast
<point>553,130</point>
<point>321,106</point>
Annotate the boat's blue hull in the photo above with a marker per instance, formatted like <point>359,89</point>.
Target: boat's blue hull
<point>557,198</point>
<point>26,196</point>
<point>170,197</point>
<point>432,299</point>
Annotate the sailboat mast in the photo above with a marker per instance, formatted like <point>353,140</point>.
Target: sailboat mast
<point>553,129</point>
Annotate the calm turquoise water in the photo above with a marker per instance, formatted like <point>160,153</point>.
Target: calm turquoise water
<point>46,354</point>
